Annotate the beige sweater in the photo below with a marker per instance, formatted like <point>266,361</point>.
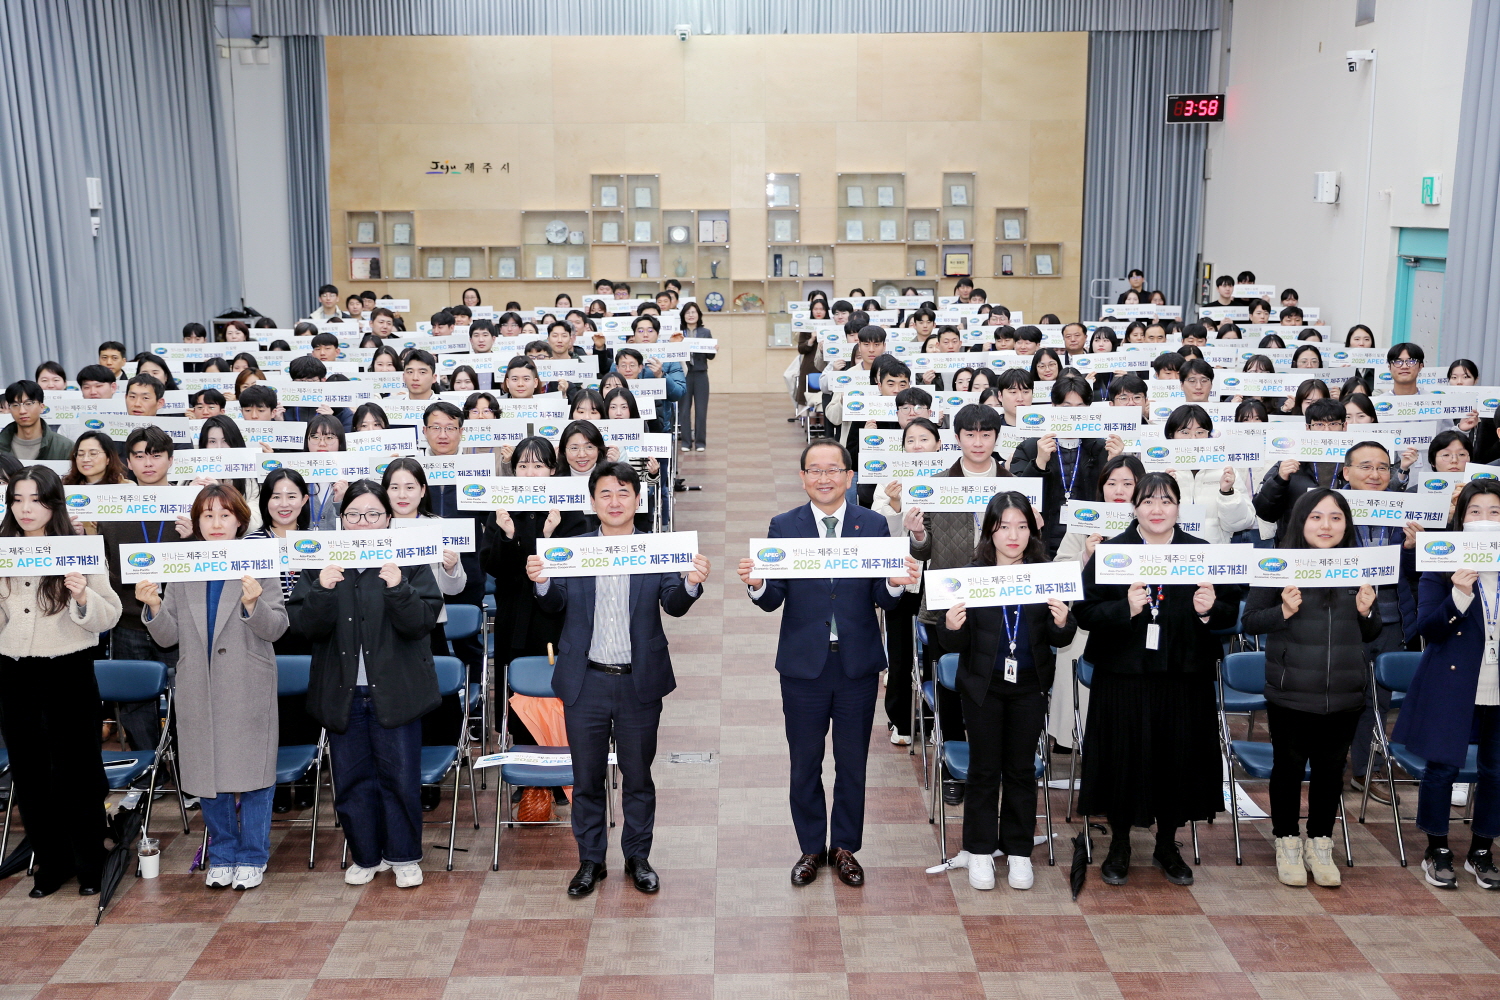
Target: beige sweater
<point>24,631</point>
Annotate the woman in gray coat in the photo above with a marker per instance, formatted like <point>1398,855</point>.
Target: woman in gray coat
<point>226,693</point>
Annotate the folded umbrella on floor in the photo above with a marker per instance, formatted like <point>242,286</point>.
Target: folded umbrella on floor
<point>125,832</point>
<point>18,860</point>
<point>1079,872</point>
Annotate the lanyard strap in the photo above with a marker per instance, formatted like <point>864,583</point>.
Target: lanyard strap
<point>318,509</point>
<point>1012,632</point>
<point>1156,599</point>
<point>161,528</point>
<point>1491,614</point>
<point>1069,480</point>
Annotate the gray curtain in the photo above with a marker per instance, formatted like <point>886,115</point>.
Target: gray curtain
<point>1471,292</point>
<point>125,92</point>
<point>307,166</point>
<point>722,17</point>
<point>1143,179</point>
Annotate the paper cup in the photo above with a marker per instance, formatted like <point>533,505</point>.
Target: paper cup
<point>149,858</point>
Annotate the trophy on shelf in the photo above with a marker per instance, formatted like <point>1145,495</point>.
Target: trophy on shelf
<point>713,269</point>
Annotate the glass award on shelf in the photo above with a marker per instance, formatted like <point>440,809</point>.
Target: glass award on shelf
<point>609,232</point>
<point>609,196</point>
<point>885,196</point>
<point>434,267</point>
<point>854,231</point>
<point>782,230</point>
<point>575,267</point>
<point>1012,229</point>
<point>401,267</point>
<point>955,229</point>
<point>854,196</point>
<point>921,229</point>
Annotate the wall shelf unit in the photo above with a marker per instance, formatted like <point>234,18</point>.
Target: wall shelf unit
<point>871,208</point>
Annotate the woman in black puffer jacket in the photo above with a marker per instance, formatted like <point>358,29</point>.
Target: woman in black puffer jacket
<point>1317,680</point>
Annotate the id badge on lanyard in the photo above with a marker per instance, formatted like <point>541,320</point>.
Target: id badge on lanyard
<point>1153,631</point>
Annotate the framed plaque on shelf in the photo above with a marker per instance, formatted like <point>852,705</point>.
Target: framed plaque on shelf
<point>854,231</point>
<point>721,231</point>
<point>885,196</point>
<point>854,196</point>
<point>955,265</point>
<point>609,232</point>
<point>575,267</point>
<point>782,230</point>
<point>815,266</point>
<point>642,232</point>
<point>401,232</point>
<point>887,229</point>
<point>434,267</point>
<point>1012,229</point>
<point>955,229</point>
<point>507,267</point>
<point>544,266</point>
<point>609,196</point>
<point>642,197</point>
<point>958,194</point>
<point>461,266</point>
<point>401,267</point>
<point>364,232</point>
<point>1044,263</point>
<point>921,229</point>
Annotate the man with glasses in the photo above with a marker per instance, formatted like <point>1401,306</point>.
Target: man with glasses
<point>28,437</point>
<point>1287,481</point>
<point>1367,467</point>
<point>1197,378</point>
<point>829,658</point>
<point>1405,363</point>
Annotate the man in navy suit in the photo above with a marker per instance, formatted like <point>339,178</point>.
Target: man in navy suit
<point>829,657</point>
<point>612,673</point>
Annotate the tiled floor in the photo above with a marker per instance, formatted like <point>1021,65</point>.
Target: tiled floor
<point>727,924</point>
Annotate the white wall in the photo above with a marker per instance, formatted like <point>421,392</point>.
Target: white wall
<point>1293,108</point>
<point>255,121</point>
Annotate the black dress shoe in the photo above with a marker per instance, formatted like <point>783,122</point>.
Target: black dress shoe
<point>1116,867</point>
<point>44,883</point>
<point>953,793</point>
<point>805,871</point>
<point>88,890</point>
<point>848,870</point>
<point>642,874</point>
<point>587,879</point>
<point>1169,860</point>
<point>432,796</point>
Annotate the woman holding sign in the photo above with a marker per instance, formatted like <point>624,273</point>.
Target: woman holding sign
<point>372,681</point>
<point>49,700</point>
<point>1454,699</point>
<point>1152,754</point>
<point>1317,679</point>
<point>1225,505</point>
<point>226,693</point>
<point>1006,668</point>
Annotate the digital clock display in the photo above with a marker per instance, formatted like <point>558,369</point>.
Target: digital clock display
<point>1195,108</point>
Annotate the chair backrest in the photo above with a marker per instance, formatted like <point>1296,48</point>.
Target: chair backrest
<point>1085,672</point>
<point>292,675</point>
<point>450,674</point>
<point>947,671</point>
<point>1238,625</point>
<point>130,680</point>
<point>463,621</point>
<point>922,633</point>
<point>531,676</point>
<point>815,381</point>
<point>1245,672</point>
<point>1395,670</point>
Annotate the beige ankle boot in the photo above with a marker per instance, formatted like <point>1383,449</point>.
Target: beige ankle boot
<point>1318,854</point>
<point>1289,867</point>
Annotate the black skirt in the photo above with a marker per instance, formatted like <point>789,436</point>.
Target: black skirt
<point>1151,749</point>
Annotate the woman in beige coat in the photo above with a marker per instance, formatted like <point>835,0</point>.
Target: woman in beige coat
<point>226,693</point>
<point>49,699</point>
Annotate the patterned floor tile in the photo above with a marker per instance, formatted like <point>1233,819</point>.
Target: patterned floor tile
<point>910,943</point>
<point>1420,945</point>
<point>522,948</point>
<point>1287,943</point>
<point>266,951</point>
<point>1161,944</point>
<point>132,953</point>
<point>395,949</point>
<point>640,946</point>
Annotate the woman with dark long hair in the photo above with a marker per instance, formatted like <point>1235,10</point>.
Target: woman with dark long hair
<point>49,699</point>
<point>1317,678</point>
<point>1005,670</point>
<point>226,693</point>
<point>1152,753</point>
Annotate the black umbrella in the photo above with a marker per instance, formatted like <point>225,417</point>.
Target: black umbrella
<point>124,830</point>
<point>1079,873</point>
<point>18,860</point>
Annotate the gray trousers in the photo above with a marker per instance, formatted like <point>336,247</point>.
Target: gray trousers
<point>692,410</point>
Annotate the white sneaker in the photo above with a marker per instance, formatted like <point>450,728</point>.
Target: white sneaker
<point>981,871</point>
<point>1460,794</point>
<point>355,875</point>
<point>1317,853</point>
<point>407,876</point>
<point>219,877</point>
<point>898,740</point>
<point>1021,875</point>
<point>247,877</point>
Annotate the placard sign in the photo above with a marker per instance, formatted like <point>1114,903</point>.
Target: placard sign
<point>1200,453</point>
<point>130,503</point>
<point>1446,551</point>
<point>1083,517</point>
<point>1394,509</point>
<point>288,434</point>
<point>1077,422</point>
<point>1351,567</point>
<point>445,470</point>
<point>939,493</point>
<point>659,552</point>
<point>217,463</point>
<point>420,545</point>
<point>52,555</point>
<point>841,558</point>
<point>458,532</point>
<point>990,586</point>
<point>1324,446</point>
<point>1173,564</point>
<point>224,560</point>
<point>1447,482</point>
<point>320,466</point>
<point>1455,404</point>
<point>875,466</point>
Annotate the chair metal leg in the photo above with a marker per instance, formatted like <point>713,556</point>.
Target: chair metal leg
<point>181,801</point>
<point>312,847</point>
<point>1077,749</point>
<point>1344,825</point>
<point>1390,780</point>
<point>1234,813</point>
<point>458,771</point>
<point>473,794</point>
<point>1047,796</point>
<point>502,806</point>
<point>1197,854</point>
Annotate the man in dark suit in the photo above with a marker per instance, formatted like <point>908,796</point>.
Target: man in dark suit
<point>829,657</point>
<point>612,673</point>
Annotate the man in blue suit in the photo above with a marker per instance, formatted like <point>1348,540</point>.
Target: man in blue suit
<point>829,657</point>
<point>612,673</point>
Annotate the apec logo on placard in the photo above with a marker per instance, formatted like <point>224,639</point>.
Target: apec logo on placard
<point>162,351</point>
<point>77,500</point>
<point>952,585</point>
<point>94,424</point>
<point>473,489</point>
<point>1272,565</point>
<point>1158,452</point>
<point>1483,475</point>
<point>141,560</point>
<point>875,466</point>
<point>270,464</point>
<point>853,406</point>
<point>771,555</point>
<point>1034,419</point>
<point>1438,548</point>
<point>1435,485</point>
<point>1281,442</point>
<point>1229,381</point>
<point>921,491</point>
<point>309,546</point>
<point>546,431</point>
<point>1383,406</point>
<point>1086,515</point>
<point>873,440</point>
<point>1118,560</point>
<point>558,553</point>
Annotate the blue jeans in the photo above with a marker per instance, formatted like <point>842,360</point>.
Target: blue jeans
<point>377,774</point>
<point>1435,797</point>
<point>239,838</point>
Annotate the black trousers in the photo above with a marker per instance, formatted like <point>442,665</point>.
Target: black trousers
<point>811,706</point>
<point>1003,734</point>
<point>1297,740</point>
<point>50,715</point>
<point>900,634</point>
<point>607,706</point>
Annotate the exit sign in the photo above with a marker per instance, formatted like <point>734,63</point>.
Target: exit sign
<point>1432,189</point>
